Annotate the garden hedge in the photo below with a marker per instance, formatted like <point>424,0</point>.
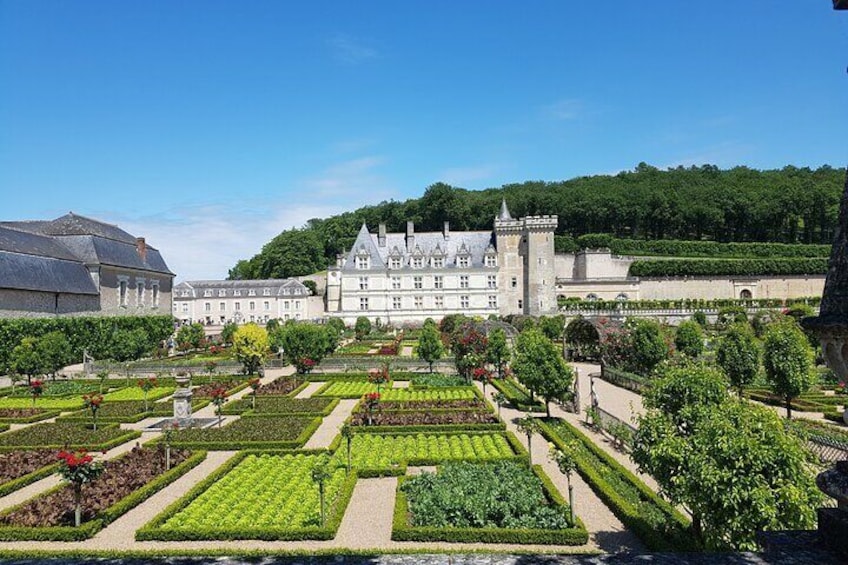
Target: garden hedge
<point>578,304</point>
<point>15,484</point>
<point>516,396</point>
<point>88,529</point>
<point>322,406</point>
<point>45,415</point>
<point>694,248</point>
<point>236,444</point>
<point>122,437</point>
<point>679,538</point>
<point>403,531</point>
<point>728,267</point>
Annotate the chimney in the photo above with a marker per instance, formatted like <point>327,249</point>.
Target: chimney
<point>141,247</point>
<point>410,236</point>
<point>447,230</point>
<point>381,235</point>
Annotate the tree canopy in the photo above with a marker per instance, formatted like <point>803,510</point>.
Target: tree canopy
<point>790,205</point>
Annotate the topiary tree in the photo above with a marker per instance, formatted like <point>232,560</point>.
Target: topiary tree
<point>430,347</point>
<point>538,365</point>
<point>347,435</point>
<point>738,355</point>
<point>303,345</point>
<point>362,328</point>
<point>497,350</point>
<point>788,361</point>
<point>78,468</point>
<point>27,359</point>
<point>552,326</point>
<point>689,339</point>
<point>649,346</point>
<point>55,351</point>
<point>92,402</point>
<point>469,348</point>
<point>250,345</point>
<point>528,426</point>
<point>320,475</point>
<point>565,458</point>
<point>500,399</point>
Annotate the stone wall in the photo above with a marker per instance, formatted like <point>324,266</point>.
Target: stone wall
<point>711,288</point>
<point>33,304</point>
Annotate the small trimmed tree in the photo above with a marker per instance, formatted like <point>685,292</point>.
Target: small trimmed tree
<point>254,384</point>
<point>303,344</point>
<point>92,402</point>
<point>500,399</point>
<point>528,426</point>
<point>250,345</point>
<point>347,435</point>
<point>78,468</point>
<point>27,359</point>
<point>497,350</point>
<point>36,389</point>
<point>649,346</point>
<point>228,332</point>
<point>788,361</point>
<point>320,475</point>
<point>146,385</point>
<point>689,339</point>
<point>219,396</point>
<point>362,328</point>
<point>738,354</point>
<point>55,351</point>
<point>538,365</point>
<point>430,347</point>
<point>565,458</point>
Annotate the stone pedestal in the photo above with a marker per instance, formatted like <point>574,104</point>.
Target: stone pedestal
<point>182,403</point>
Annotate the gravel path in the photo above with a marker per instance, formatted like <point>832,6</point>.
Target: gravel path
<point>330,426</point>
<point>310,389</point>
<point>368,519</point>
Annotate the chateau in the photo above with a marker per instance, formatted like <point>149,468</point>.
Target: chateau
<point>407,277</point>
<point>75,265</point>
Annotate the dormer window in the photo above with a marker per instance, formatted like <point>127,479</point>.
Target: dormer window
<point>236,293</point>
<point>394,263</point>
<point>266,292</point>
<point>207,292</point>
<point>417,262</point>
<point>251,292</point>
<point>363,262</point>
<point>463,261</point>
<point>438,262</point>
<point>222,292</point>
<point>491,260</point>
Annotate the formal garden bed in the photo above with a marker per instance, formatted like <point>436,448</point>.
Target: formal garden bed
<point>357,375</point>
<point>258,496</point>
<point>128,411</point>
<point>22,467</point>
<point>58,388</point>
<point>206,390</point>
<point>517,395</point>
<point>25,415</point>
<point>283,386</point>
<point>427,380</point>
<point>66,435</point>
<point>124,483</point>
<point>282,405</point>
<point>657,523</point>
<point>387,454</point>
<point>250,432</point>
<point>457,418</point>
<point>499,502</point>
<point>388,394</point>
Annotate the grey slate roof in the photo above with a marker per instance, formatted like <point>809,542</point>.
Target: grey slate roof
<point>29,243</point>
<point>46,274</point>
<point>278,287</point>
<point>74,224</point>
<point>475,243</point>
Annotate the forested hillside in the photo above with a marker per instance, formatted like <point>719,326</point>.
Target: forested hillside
<point>791,205</point>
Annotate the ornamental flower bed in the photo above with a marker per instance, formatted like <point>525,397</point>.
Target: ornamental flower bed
<point>205,391</point>
<point>69,435</point>
<point>16,464</point>
<point>281,405</point>
<point>259,497</point>
<point>250,432</point>
<point>343,389</point>
<point>436,404</point>
<point>279,387</point>
<point>377,452</point>
<point>411,418</point>
<point>120,478</point>
<point>25,414</point>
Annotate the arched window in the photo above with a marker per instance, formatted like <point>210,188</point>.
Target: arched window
<point>591,297</point>
<point>745,294</point>
<point>622,297</point>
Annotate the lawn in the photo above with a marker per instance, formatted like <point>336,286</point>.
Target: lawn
<point>261,497</point>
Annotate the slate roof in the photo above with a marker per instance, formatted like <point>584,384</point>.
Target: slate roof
<point>53,256</point>
<point>279,287</point>
<point>475,243</point>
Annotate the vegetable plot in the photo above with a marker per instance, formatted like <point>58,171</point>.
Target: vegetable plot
<point>389,394</point>
<point>262,497</point>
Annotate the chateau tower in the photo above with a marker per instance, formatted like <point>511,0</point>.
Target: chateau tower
<point>527,277</point>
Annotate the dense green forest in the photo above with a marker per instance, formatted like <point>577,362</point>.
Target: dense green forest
<point>791,205</point>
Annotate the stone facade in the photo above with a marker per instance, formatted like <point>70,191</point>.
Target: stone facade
<point>75,265</point>
<point>216,302</point>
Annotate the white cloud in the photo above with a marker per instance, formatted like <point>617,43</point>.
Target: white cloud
<point>351,51</point>
<point>565,109</point>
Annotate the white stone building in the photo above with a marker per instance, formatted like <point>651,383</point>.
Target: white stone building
<point>216,302</point>
<point>397,278</point>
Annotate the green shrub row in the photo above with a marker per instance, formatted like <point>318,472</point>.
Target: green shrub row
<point>105,517</point>
<point>153,530</point>
<point>403,531</point>
<point>222,439</point>
<point>45,415</point>
<point>591,460</point>
<point>66,435</point>
<point>684,248</point>
<point>803,403</point>
<point>91,333</point>
<point>517,396</point>
<point>726,267</point>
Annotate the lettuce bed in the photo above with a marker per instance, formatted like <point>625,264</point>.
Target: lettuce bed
<point>269,497</point>
<point>389,454</point>
<point>282,405</point>
<point>389,394</point>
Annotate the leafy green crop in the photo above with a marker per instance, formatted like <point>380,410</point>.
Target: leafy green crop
<point>135,393</point>
<point>387,393</point>
<point>377,452</point>
<point>265,491</point>
<point>504,494</point>
<point>64,434</point>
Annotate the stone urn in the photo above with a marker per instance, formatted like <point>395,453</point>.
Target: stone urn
<point>182,401</point>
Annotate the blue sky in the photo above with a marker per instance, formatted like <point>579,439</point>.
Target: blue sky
<point>210,126</point>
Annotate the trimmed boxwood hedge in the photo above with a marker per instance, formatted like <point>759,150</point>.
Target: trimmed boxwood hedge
<point>153,530</point>
<point>44,415</point>
<point>430,428</point>
<point>516,396</point>
<point>725,267</point>
<point>28,438</point>
<point>678,536</point>
<point>227,437</point>
<point>403,531</point>
<point>29,478</point>
<point>695,248</point>
<point>282,405</point>
<point>107,516</point>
